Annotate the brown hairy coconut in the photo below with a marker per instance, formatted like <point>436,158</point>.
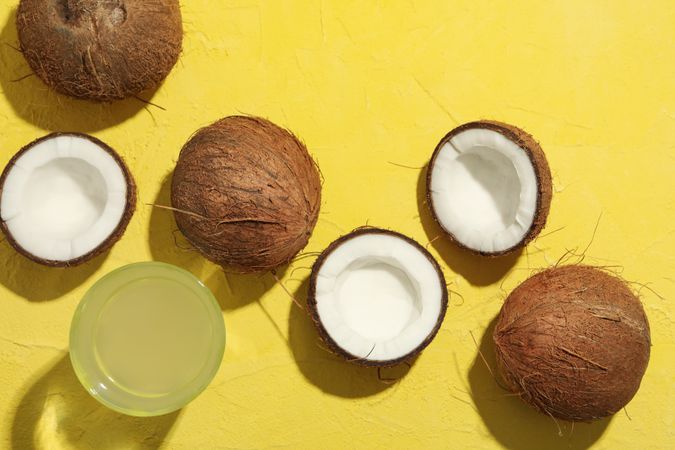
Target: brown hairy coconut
<point>489,187</point>
<point>246,193</point>
<point>65,198</point>
<point>573,342</point>
<point>377,297</point>
<point>100,50</point>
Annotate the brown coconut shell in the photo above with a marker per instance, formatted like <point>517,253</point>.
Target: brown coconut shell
<point>573,342</point>
<point>541,170</point>
<point>101,50</point>
<point>111,240</point>
<point>323,333</point>
<point>246,193</point>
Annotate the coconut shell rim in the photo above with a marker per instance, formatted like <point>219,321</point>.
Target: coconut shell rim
<point>107,243</point>
<point>541,170</point>
<point>323,333</point>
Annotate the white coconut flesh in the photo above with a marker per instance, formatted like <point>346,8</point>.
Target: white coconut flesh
<point>63,197</point>
<point>484,190</point>
<point>378,296</point>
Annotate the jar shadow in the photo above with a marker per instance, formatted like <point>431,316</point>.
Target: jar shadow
<point>57,397</point>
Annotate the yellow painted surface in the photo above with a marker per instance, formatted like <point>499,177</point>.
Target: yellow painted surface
<point>367,84</point>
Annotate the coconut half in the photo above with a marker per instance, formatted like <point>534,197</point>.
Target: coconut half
<point>489,187</point>
<point>377,297</point>
<point>65,199</point>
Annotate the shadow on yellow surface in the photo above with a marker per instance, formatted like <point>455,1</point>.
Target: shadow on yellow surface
<point>477,270</point>
<point>56,409</point>
<point>515,424</point>
<point>33,102</point>
<point>39,283</point>
<point>167,244</point>
<point>234,290</point>
<point>330,373</point>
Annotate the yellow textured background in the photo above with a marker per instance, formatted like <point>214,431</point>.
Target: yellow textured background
<point>367,84</point>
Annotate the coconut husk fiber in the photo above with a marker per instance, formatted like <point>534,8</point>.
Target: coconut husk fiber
<point>246,193</point>
<point>573,342</point>
<point>100,50</point>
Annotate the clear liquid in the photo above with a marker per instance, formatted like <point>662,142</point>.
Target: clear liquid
<point>152,336</point>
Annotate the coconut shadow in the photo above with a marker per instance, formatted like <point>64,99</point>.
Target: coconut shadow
<point>38,283</point>
<point>477,270</point>
<point>330,373</point>
<point>513,423</point>
<point>167,244</point>
<point>82,421</point>
<point>35,103</point>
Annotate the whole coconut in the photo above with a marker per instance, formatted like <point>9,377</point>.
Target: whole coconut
<point>246,193</point>
<point>100,50</point>
<point>573,342</point>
